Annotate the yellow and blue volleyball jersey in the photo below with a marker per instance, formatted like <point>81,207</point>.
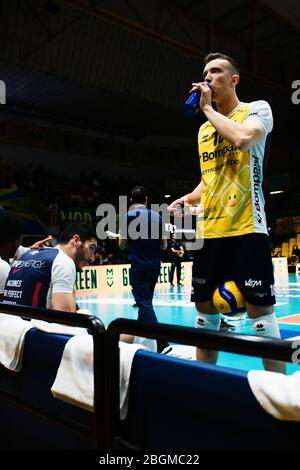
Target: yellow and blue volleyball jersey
<point>232,198</point>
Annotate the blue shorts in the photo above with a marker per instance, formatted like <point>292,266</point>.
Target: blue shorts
<point>245,259</point>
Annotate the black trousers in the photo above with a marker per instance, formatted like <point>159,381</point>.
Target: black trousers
<point>175,264</point>
<point>143,285</point>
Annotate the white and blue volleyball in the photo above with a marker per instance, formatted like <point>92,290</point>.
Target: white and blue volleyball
<point>228,299</point>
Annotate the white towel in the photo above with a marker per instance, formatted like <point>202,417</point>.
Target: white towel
<point>57,328</point>
<point>183,352</point>
<point>12,334</point>
<point>127,352</point>
<point>61,329</point>
<point>278,394</point>
<point>74,382</point>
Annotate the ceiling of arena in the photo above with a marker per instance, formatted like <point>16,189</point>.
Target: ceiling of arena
<point>124,67</point>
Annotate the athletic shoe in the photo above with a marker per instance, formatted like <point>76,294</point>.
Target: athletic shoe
<point>226,326</point>
<point>167,350</point>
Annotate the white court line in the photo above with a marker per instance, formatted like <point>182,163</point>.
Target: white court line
<point>157,294</point>
<point>157,303</point>
<point>289,316</point>
<point>111,301</point>
<point>288,288</point>
<point>292,339</point>
<point>289,296</point>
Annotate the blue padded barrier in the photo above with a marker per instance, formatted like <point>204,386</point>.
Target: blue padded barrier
<point>184,405</point>
<point>30,417</point>
<point>179,405</point>
<point>30,390</point>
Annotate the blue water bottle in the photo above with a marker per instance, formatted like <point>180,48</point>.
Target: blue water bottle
<point>191,106</point>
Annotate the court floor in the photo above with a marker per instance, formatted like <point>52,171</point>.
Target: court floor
<point>173,306</point>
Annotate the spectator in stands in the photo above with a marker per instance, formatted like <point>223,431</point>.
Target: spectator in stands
<point>145,254</point>
<point>296,251</point>
<point>11,232</point>
<point>110,259</point>
<point>98,261</point>
<point>103,248</point>
<point>46,277</point>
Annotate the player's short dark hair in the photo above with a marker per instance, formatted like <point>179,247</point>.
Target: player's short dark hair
<point>217,55</point>
<point>11,227</point>
<point>138,194</point>
<point>77,228</point>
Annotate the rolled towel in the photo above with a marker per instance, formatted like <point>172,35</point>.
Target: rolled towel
<point>148,343</point>
<point>278,394</point>
<point>74,382</point>
<point>57,328</point>
<point>12,335</point>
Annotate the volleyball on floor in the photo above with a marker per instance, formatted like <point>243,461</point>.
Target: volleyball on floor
<point>228,299</point>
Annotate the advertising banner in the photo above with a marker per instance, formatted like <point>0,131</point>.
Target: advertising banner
<point>115,278</point>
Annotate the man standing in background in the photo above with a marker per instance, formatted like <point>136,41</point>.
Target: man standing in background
<point>176,253</point>
<point>144,253</point>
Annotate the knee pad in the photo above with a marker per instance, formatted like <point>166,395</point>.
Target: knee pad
<point>266,325</point>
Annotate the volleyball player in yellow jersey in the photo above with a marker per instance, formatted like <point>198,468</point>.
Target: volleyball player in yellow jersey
<point>233,146</point>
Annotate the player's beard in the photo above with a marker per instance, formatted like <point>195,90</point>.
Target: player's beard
<point>80,259</point>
